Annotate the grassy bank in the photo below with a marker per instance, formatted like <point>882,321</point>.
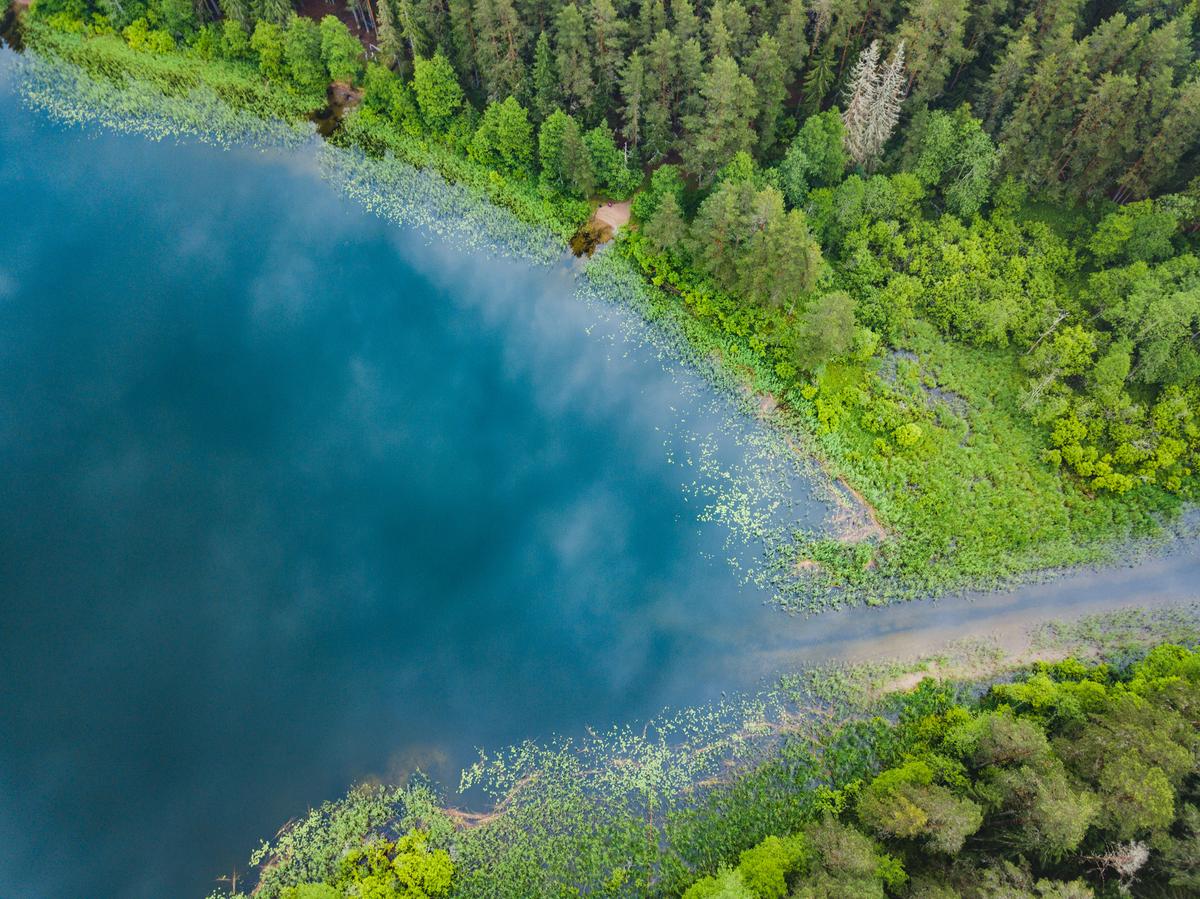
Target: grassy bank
<point>889,762</point>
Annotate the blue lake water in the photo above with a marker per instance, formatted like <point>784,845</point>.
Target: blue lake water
<point>292,497</point>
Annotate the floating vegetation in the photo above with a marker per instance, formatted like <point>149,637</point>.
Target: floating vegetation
<point>637,811</point>
<point>70,96</point>
<point>421,198</point>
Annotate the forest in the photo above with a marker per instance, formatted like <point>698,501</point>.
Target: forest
<point>1070,781</point>
<point>955,241</point>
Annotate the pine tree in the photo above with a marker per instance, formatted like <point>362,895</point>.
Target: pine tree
<point>661,80</point>
<point>720,41</point>
<point>690,77</point>
<point>723,129</point>
<point>737,20</point>
<point>608,41</point>
<point>1005,81</point>
<point>933,31</point>
<point>769,74</point>
<point>781,260</point>
<point>573,57</point>
<point>499,38</point>
<point>652,18</point>
<point>633,84</point>
<point>685,24</point>
<point>1177,134</point>
<point>793,45</point>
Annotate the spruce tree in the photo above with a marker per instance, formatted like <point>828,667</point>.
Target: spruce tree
<point>818,79</point>
<point>391,44</point>
<point>462,40</point>
<point>724,127</point>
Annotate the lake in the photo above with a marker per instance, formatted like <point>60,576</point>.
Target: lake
<point>294,497</point>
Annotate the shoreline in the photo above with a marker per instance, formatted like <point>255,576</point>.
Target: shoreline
<point>827,564</point>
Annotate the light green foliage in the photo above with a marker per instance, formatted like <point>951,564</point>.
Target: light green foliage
<point>302,54</point>
<point>768,867</point>
<point>1139,232</point>
<point>665,180</point>
<point>904,802</point>
<point>727,883</point>
<point>847,863</point>
<point>816,157</point>
<point>504,138</point>
<point>340,52</point>
<point>957,160</point>
<point>405,869</point>
<point>386,95</point>
<point>141,37</point>
<point>826,330</point>
<point>438,94</point>
<point>666,229</point>
<point>743,237</point>
<point>178,17</point>
<point>608,163</point>
<point>312,891</point>
<point>267,44</point>
<point>235,41</point>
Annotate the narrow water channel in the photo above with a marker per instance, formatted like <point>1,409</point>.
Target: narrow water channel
<point>293,497</point>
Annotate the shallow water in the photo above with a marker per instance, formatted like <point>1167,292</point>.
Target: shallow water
<point>293,497</point>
